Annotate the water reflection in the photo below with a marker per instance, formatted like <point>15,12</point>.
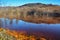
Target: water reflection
<point>19,25</point>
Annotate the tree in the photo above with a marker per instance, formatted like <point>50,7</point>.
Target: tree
<point>56,13</point>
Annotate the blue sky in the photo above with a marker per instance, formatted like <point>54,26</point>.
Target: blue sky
<point>21,2</point>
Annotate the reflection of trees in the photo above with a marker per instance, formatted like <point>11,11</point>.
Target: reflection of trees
<point>56,13</point>
<point>0,23</point>
<point>6,21</point>
<point>11,21</point>
<point>16,21</point>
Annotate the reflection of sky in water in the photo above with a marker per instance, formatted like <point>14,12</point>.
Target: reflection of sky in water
<point>22,25</point>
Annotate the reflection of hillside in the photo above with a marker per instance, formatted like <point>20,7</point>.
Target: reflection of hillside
<point>33,12</point>
<point>42,20</point>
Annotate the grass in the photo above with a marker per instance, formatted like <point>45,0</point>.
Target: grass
<point>13,35</point>
<point>5,36</point>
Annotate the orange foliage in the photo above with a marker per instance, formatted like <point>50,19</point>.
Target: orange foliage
<point>22,35</point>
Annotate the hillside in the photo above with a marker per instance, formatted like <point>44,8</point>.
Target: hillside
<point>33,12</point>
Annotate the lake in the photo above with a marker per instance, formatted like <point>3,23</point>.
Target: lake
<point>48,30</point>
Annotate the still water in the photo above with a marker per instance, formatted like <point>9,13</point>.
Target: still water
<point>49,30</point>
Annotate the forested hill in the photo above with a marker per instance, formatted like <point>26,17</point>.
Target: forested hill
<point>33,12</point>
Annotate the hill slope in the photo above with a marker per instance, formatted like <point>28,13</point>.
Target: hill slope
<point>33,12</point>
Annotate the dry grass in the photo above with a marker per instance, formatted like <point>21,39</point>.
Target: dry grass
<point>23,35</point>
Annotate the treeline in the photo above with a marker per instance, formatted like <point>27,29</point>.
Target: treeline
<point>25,12</point>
